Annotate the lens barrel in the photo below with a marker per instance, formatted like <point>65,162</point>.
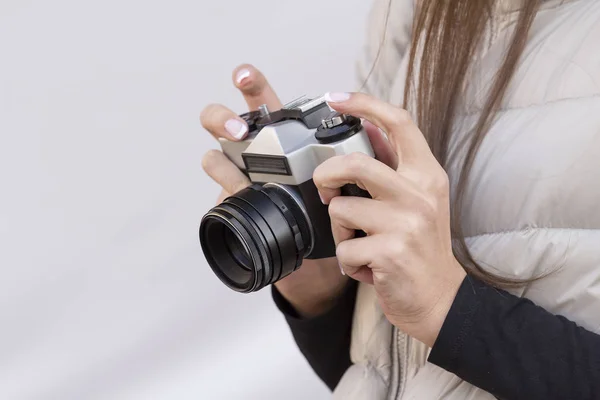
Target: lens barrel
<point>256,237</point>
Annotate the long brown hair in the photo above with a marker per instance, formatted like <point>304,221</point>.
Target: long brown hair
<point>446,37</point>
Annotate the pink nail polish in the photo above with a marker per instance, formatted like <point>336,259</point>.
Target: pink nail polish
<point>241,75</point>
<point>236,128</point>
<point>321,197</point>
<point>333,97</point>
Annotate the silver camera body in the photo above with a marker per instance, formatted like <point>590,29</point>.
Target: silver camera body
<point>262,233</point>
<point>288,151</point>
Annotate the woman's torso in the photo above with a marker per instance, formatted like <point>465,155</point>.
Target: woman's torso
<point>533,201</point>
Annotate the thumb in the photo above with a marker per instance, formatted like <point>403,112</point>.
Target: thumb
<point>255,88</point>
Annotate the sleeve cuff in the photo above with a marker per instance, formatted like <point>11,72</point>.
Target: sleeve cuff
<point>342,306</point>
<point>458,325</point>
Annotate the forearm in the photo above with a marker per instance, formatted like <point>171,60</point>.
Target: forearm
<point>324,340</point>
<point>314,288</point>
<point>514,349</point>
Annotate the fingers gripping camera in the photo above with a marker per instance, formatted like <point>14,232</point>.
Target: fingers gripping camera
<point>263,233</point>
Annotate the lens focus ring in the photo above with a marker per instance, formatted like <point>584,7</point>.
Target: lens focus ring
<point>256,237</point>
<point>287,214</point>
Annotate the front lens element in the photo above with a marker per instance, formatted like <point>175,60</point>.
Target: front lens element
<point>237,249</point>
<point>235,269</point>
<point>255,237</point>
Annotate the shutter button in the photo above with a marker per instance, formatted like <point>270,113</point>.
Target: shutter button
<point>333,122</point>
<point>337,127</point>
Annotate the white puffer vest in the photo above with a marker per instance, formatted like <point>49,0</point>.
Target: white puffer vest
<point>533,204</point>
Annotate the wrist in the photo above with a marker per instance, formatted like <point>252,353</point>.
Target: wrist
<point>428,328</point>
<point>307,307</point>
<point>444,304</point>
<point>314,288</point>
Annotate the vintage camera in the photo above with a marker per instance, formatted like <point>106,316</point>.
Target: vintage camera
<point>263,233</point>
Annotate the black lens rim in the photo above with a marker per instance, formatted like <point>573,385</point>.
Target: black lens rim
<point>246,237</point>
<point>273,267</point>
<point>263,223</point>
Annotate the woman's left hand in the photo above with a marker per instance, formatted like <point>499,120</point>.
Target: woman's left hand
<point>407,254</point>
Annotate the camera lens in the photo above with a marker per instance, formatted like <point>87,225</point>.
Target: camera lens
<point>229,250</point>
<point>237,249</point>
<point>256,237</point>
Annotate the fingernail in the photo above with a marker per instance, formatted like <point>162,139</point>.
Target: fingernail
<point>236,128</point>
<point>241,75</point>
<point>321,197</point>
<point>342,269</point>
<point>334,97</point>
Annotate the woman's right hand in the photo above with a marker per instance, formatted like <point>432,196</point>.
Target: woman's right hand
<point>313,288</point>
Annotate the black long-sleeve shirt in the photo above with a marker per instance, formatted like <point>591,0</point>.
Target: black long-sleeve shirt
<point>325,340</point>
<point>498,342</point>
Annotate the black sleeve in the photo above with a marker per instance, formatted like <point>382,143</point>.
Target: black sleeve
<point>514,349</point>
<point>324,340</point>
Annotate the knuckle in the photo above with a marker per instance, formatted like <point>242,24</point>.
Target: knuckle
<point>337,207</point>
<point>395,250</point>
<point>341,252</point>
<point>210,159</point>
<point>410,225</point>
<point>415,223</point>
<point>356,162</point>
<point>318,175</point>
<point>318,180</point>
<point>324,170</point>
<point>441,183</point>
<point>427,211</point>
<point>208,115</point>
<point>402,117</point>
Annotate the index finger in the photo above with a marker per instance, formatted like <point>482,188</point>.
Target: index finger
<point>378,179</point>
<point>404,135</point>
<point>255,88</point>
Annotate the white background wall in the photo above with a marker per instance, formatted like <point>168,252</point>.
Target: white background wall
<point>104,292</point>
